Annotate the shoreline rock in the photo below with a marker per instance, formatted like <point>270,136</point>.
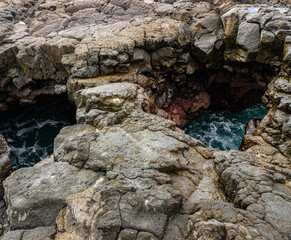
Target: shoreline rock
<point>125,170</point>
<point>35,195</point>
<point>5,168</point>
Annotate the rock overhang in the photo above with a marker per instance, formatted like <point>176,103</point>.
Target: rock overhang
<point>152,171</point>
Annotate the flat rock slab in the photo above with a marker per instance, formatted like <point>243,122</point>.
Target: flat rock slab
<point>34,196</point>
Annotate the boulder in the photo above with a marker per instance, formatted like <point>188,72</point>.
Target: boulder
<point>208,39</point>
<point>35,195</point>
<point>111,103</point>
<point>140,189</point>
<point>248,37</point>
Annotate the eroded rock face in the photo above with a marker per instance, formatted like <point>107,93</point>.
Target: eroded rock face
<point>158,181</point>
<point>42,44</point>
<point>125,171</point>
<point>260,190</point>
<point>149,167</point>
<point>183,110</point>
<point>5,164</point>
<point>5,168</point>
<point>109,104</point>
<point>273,131</point>
<point>39,233</point>
<point>34,196</point>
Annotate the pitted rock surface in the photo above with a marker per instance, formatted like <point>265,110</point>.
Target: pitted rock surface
<point>157,180</point>
<point>39,233</point>
<point>125,171</point>
<point>5,164</point>
<point>45,43</point>
<point>5,168</point>
<point>36,200</point>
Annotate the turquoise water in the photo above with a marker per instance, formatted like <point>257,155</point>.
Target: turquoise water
<point>30,132</point>
<point>223,130</point>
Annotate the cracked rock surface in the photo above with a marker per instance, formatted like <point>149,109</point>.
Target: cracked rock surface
<point>157,182</point>
<point>45,44</point>
<point>125,171</point>
<point>5,167</point>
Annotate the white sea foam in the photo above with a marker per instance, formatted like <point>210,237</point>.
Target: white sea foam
<point>30,132</point>
<point>223,130</point>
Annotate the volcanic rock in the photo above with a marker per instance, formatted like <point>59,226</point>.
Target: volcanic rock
<point>34,196</point>
<point>183,110</point>
<point>125,171</point>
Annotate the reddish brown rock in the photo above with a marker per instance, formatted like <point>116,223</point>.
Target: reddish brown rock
<point>183,110</point>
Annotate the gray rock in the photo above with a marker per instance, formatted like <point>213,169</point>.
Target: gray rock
<point>283,85</point>
<point>13,235</point>
<point>208,38</point>
<point>5,168</point>
<point>40,233</point>
<point>72,144</point>
<point>146,236</point>
<point>248,36</point>
<point>248,184</point>
<point>5,164</point>
<point>164,57</point>
<point>163,8</point>
<point>148,211</point>
<point>277,212</point>
<point>127,234</point>
<point>287,127</point>
<point>110,104</point>
<point>141,56</point>
<point>158,182</point>
<point>280,28</point>
<point>34,196</point>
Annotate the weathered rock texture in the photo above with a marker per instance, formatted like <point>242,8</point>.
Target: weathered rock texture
<point>40,233</point>
<point>5,167</point>
<point>35,195</point>
<point>125,171</point>
<point>272,137</point>
<point>157,182</point>
<point>163,46</point>
<point>183,110</point>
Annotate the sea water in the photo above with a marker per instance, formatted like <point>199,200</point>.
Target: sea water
<point>223,130</point>
<point>30,132</point>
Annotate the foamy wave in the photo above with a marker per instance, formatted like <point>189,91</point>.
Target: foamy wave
<point>30,132</point>
<point>223,130</point>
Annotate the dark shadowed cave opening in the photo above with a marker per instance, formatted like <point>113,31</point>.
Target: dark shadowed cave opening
<point>234,87</point>
<point>230,89</point>
<point>217,102</point>
<point>30,130</point>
